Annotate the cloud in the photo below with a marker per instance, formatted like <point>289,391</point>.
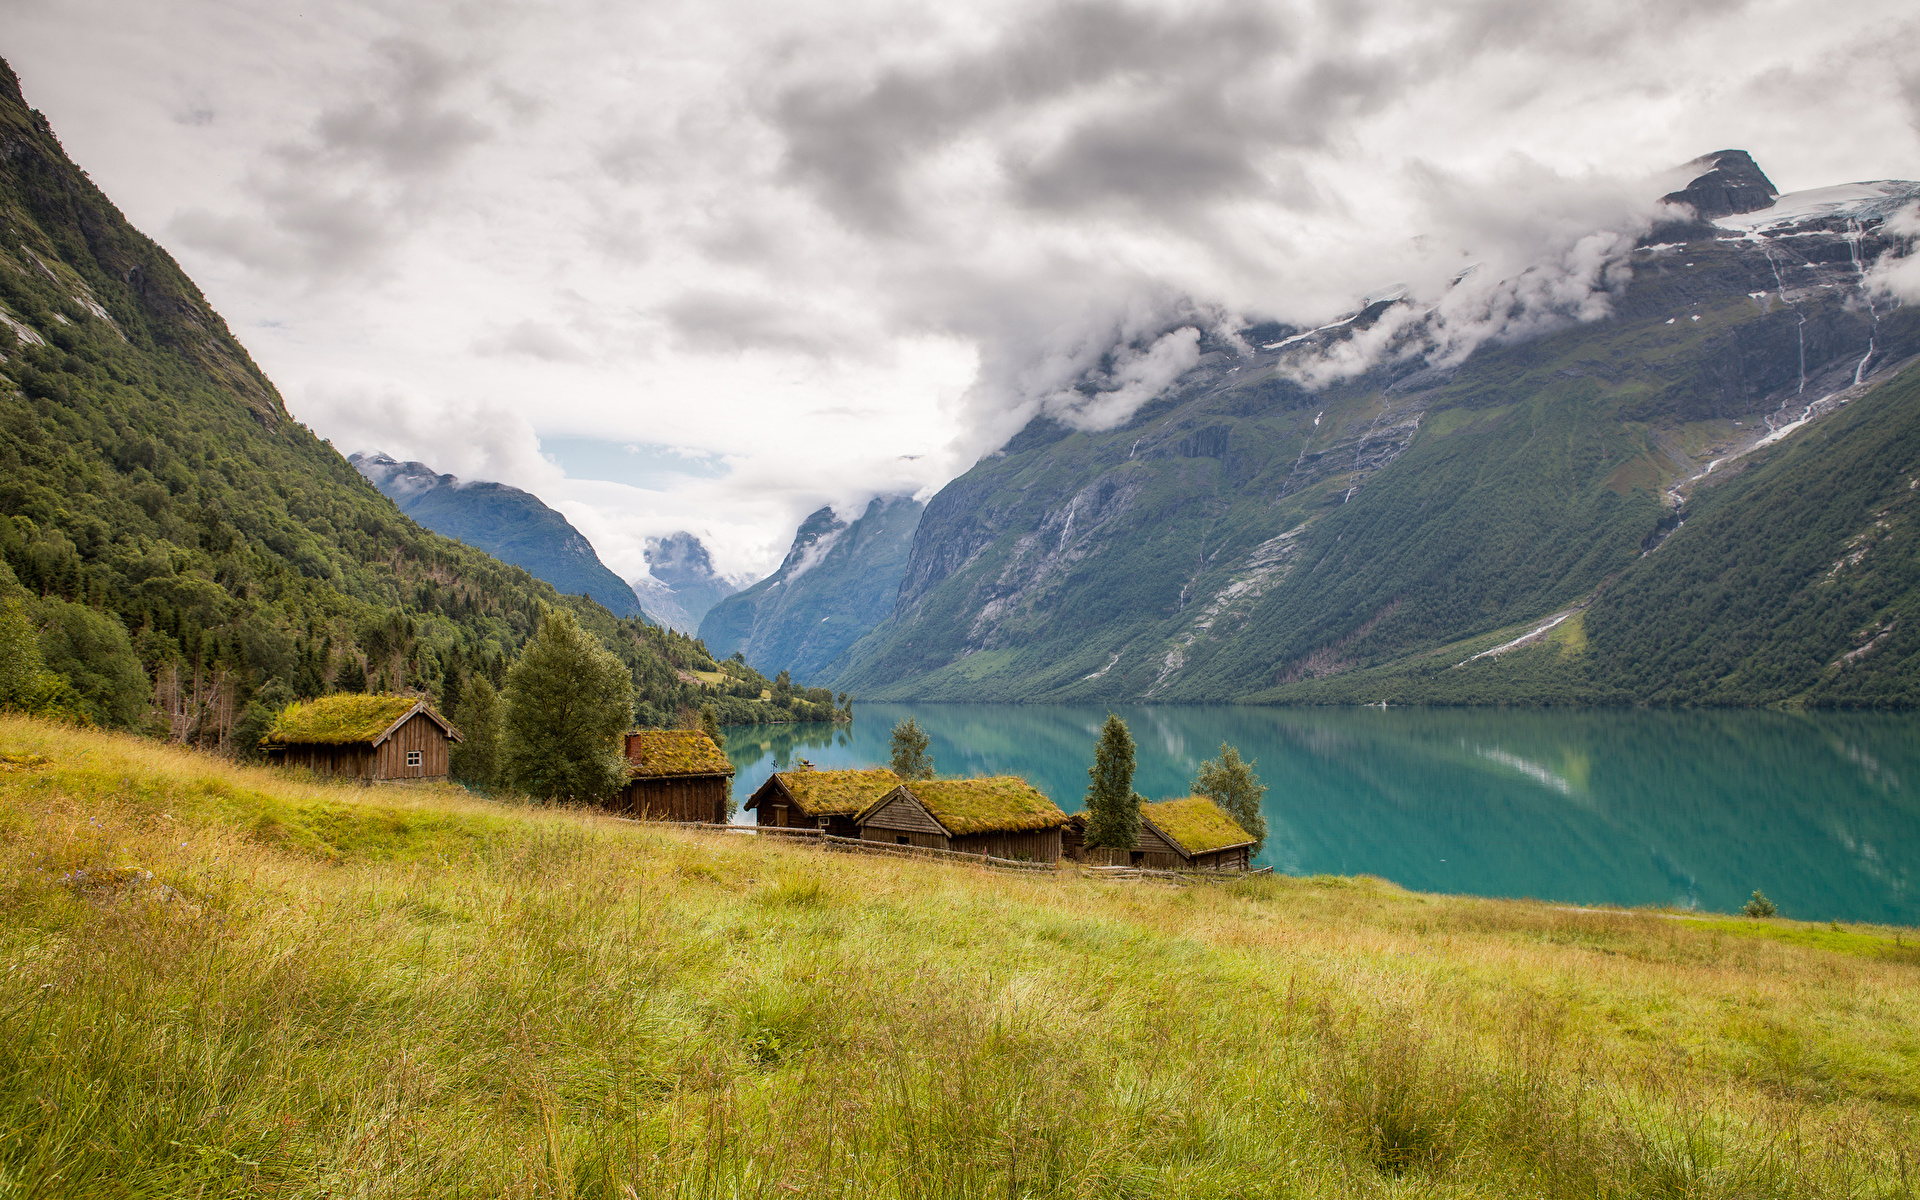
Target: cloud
<point>533,339</point>
<point>336,203</point>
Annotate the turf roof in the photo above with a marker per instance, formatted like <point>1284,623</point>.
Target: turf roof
<point>657,753</point>
<point>993,803</point>
<point>339,720</point>
<point>837,793</point>
<point>1196,824</point>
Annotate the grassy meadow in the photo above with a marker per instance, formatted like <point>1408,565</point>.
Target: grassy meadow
<point>221,980</point>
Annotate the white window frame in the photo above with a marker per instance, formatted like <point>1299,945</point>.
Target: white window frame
<point>413,758</point>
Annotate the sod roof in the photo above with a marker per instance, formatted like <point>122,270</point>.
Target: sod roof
<point>659,753</point>
<point>1196,824</point>
<point>835,793</point>
<point>344,719</point>
<point>990,804</point>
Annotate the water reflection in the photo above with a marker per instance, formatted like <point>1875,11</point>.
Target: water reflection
<point>1695,808</point>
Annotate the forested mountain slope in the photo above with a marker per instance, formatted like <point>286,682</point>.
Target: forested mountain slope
<point>1243,537</point>
<point>513,525</point>
<point>190,554</point>
<point>837,582</point>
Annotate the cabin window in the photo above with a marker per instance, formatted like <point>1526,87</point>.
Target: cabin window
<point>902,840</point>
<point>413,758</point>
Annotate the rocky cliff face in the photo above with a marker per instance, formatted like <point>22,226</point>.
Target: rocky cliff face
<point>1243,536</point>
<point>512,525</point>
<point>1730,182</point>
<point>681,584</point>
<point>836,583</point>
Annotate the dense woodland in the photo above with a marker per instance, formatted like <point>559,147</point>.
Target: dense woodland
<point>192,558</point>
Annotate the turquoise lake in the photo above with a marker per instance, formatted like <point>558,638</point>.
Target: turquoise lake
<point>1695,809</point>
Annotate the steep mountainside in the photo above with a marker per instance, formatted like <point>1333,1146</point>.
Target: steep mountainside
<point>190,554</point>
<point>1244,537</point>
<point>681,584</point>
<point>837,582</point>
<point>512,525</point>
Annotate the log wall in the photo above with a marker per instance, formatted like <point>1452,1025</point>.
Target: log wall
<point>697,798</point>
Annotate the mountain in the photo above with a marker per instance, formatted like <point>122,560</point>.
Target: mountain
<point>512,525</point>
<point>837,582</point>
<point>681,584</point>
<point>189,555</point>
<point>1742,407</point>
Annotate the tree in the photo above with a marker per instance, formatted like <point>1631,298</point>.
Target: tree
<point>25,683</point>
<point>1232,785</point>
<point>1113,807</point>
<point>910,757</point>
<point>351,677</point>
<point>710,724</point>
<point>476,756</point>
<point>568,702</point>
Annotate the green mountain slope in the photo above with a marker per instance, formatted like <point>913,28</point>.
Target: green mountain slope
<point>190,553</point>
<point>514,526</point>
<point>1243,538</point>
<point>837,582</point>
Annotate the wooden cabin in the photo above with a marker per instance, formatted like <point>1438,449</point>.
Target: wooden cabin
<point>362,737</point>
<point>1191,834</point>
<point>675,775</point>
<point>1002,815</point>
<point>810,799</point>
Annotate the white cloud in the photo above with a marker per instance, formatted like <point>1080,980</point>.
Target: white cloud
<point>821,238</point>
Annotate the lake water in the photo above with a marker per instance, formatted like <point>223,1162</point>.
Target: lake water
<point>1696,809</point>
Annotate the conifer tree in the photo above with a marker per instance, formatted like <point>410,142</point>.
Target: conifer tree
<point>710,724</point>
<point>351,677</point>
<point>476,756</point>
<point>1232,785</point>
<point>910,757</point>
<point>1113,807</point>
<point>568,702</point>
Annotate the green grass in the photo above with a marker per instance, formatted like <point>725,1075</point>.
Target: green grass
<point>407,991</point>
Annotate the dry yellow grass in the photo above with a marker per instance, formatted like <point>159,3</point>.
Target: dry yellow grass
<point>223,981</point>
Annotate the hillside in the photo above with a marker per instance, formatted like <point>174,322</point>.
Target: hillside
<point>305,990</point>
<point>837,582</point>
<point>512,525</point>
<point>192,555</point>
<point>1243,537</point>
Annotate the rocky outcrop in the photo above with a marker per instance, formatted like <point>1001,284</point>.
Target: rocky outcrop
<point>1732,183</point>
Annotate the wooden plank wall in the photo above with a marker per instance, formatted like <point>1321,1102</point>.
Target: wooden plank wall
<point>421,734</point>
<point>701,798</point>
<point>916,837</point>
<point>903,814</point>
<point>1038,845</point>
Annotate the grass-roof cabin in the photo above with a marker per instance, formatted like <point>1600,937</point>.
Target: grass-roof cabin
<point>829,800</point>
<point>1001,815</point>
<point>675,775</point>
<point>1192,834</point>
<point>362,737</point>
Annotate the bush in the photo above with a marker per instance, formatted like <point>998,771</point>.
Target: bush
<point>1760,906</point>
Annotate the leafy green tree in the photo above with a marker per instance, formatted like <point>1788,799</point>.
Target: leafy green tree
<point>710,724</point>
<point>1113,807</point>
<point>1232,785</point>
<point>910,757</point>
<point>476,756</point>
<point>92,651</point>
<point>568,701</point>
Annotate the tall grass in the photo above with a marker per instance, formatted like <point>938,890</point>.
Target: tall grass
<point>330,991</point>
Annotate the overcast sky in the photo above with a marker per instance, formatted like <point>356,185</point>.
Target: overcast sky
<point>758,257</point>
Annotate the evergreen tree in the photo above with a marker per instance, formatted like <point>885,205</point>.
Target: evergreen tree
<point>1113,807</point>
<point>476,756</point>
<point>710,724</point>
<point>568,702</point>
<point>450,692</point>
<point>910,757</point>
<point>1232,785</point>
<point>351,677</point>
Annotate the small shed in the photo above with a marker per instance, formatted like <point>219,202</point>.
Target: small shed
<point>675,775</point>
<point>1191,834</point>
<point>1001,815</point>
<point>362,737</point>
<point>829,800</point>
